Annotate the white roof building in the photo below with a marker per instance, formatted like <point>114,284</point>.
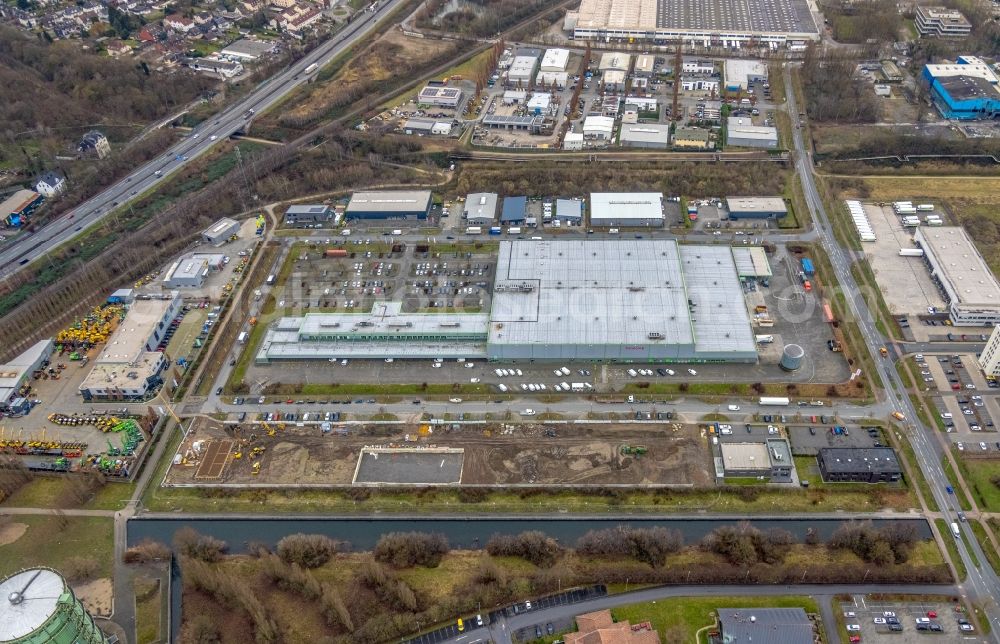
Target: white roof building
<point>614,60</point>
<point>598,127</point>
<point>522,69</point>
<point>555,60</point>
<point>626,209</point>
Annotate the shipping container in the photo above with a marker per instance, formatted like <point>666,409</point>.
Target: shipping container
<point>473,230</point>
<point>496,230</point>
<point>925,207</point>
<point>827,312</point>
<point>935,222</point>
<point>911,252</point>
<point>336,252</point>
<point>514,230</point>
<point>764,339</point>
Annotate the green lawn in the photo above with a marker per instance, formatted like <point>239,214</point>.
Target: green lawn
<point>49,491</point>
<point>678,619</point>
<point>979,474</point>
<point>147,610</point>
<point>949,543</point>
<point>984,542</point>
<point>50,541</point>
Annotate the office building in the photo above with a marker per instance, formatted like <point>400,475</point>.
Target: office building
<point>308,214</point>
<point>440,95</point>
<point>756,207</point>
<point>859,464</point>
<point>989,359</point>
<point>769,458</point>
<point>741,74</point>
<point>941,22</point>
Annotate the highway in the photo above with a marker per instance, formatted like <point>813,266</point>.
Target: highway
<point>28,248</point>
<point>982,584</point>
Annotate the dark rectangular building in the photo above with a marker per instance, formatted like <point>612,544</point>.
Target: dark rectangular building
<point>765,626</point>
<point>399,204</point>
<point>308,214</point>
<point>863,464</point>
<point>515,210</point>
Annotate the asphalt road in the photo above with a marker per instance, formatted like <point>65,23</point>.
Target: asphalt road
<point>29,248</point>
<point>982,584</point>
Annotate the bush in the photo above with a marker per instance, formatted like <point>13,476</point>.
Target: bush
<point>534,546</point>
<point>745,545</point>
<point>146,551</point>
<point>648,545</point>
<point>307,550</point>
<point>199,546</point>
<point>874,545</point>
<point>408,549</point>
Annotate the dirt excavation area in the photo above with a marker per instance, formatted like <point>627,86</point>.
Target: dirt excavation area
<point>471,453</point>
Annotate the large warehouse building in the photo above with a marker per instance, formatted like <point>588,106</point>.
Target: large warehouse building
<point>756,207</point>
<point>221,231</point>
<point>741,132</point>
<point>129,366</point>
<point>610,209</point>
<point>972,291</point>
<point>400,204</point>
<point>726,23</point>
<point>618,301</point>
<point>608,300</point>
<point>967,90</point>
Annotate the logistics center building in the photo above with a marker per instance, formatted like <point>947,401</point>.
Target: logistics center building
<point>726,23</point>
<point>972,291</point>
<point>608,301</point>
<point>398,204</point>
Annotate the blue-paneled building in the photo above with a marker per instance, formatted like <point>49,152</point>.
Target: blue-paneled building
<point>966,90</point>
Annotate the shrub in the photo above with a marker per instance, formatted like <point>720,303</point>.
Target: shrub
<point>745,545</point>
<point>307,550</point>
<point>408,549</point>
<point>199,546</point>
<point>146,551</point>
<point>79,568</point>
<point>534,546</point>
<point>648,545</point>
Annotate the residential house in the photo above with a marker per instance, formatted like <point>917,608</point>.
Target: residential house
<point>118,48</point>
<point>178,23</point>
<point>51,183</point>
<point>94,144</point>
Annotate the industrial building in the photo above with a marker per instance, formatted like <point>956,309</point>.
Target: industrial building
<point>613,80</point>
<point>554,60</point>
<point>569,211</point>
<point>598,127</point>
<point>765,626</point>
<point>608,300</point>
<point>38,606</point>
<point>618,301</point>
<point>859,464</point>
<point>692,138</point>
<point>480,208</point>
<point>698,84</point>
<point>308,214</point>
<point>215,66</point>
<point>645,66</point>
<point>756,207</point>
<point>515,210</point>
<point>611,209</point>
<point>941,22</point>
<point>129,365</point>
<point>548,79</point>
<point>221,231</point>
<point>645,135</point>
<point>989,359</point>
<point>522,70</point>
<point>726,23</point>
<point>249,50</point>
<point>966,90</point>
<point>741,74</point>
<point>385,332</point>
<point>741,132</point>
<point>191,270</point>
<point>770,458</point>
<point>531,123</point>
<point>392,204</point>
<point>16,208</point>
<point>691,66</point>
<point>440,95</point>
<point>970,288</point>
<point>16,373</point>
<point>614,60</point>
<point>427,127</point>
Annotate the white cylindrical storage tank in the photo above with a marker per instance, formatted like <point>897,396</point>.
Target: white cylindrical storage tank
<point>791,357</point>
<point>38,606</point>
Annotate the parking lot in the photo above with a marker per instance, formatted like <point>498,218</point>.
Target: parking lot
<point>808,439</point>
<point>905,282</point>
<point>886,622</point>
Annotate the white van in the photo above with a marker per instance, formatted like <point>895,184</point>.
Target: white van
<point>946,415</point>
<point>346,232</point>
<point>633,373</point>
<point>734,407</point>
<point>613,231</point>
<point>502,387</point>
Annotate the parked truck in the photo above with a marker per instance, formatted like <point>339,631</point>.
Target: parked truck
<point>774,401</point>
<point>911,252</point>
<point>473,230</point>
<point>807,266</point>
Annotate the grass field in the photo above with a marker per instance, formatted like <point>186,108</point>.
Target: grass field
<point>949,543</point>
<point>979,475</point>
<point>147,610</point>
<point>50,491</point>
<point>50,541</point>
<point>678,619</point>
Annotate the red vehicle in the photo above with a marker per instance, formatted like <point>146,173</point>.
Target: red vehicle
<point>855,639</point>
<point>932,614</point>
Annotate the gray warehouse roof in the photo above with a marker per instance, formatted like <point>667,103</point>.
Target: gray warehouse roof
<point>756,204</point>
<point>959,264</point>
<point>765,625</point>
<point>480,205</point>
<point>618,292</point>
<point>645,133</point>
<point>389,201</point>
<point>307,209</point>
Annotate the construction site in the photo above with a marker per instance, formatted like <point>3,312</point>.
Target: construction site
<point>482,453</point>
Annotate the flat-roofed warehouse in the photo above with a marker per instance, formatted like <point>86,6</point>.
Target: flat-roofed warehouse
<point>645,135</point>
<point>221,231</point>
<point>246,49</point>
<point>480,208</point>
<point>626,209</point>
<point>392,204</point>
<point>743,133</point>
<point>726,23</point>
<point>440,95</point>
<point>864,464</point>
<point>618,301</point>
<point>756,207</point>
<point>971,289</point>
